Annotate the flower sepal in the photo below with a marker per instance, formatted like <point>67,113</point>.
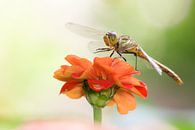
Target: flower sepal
<point>99,99</point>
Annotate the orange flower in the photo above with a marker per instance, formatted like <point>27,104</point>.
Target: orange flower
<point>103,74</point>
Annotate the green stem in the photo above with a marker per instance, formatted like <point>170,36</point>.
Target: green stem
<point>97,115</point>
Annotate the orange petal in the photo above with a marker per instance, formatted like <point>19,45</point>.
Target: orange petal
<point>140,90</point>
<point>65,72</point>
<point>70,72</point>
<point>132,84</point>
<point>106,61</point>
<point>125,101</point>
<point>111,103</point>
<point>103,63</point>
<point>82,75</point>
<point>59,74</point>
<point>76,92</point>
<point>102,68</point>
<point>112,68</point>
<point>77,61</point>
<point>99,85</point>
<point>123,68</point>
<point>69,85</point>
<point>129,80</point>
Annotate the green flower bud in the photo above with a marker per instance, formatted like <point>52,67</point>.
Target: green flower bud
<point>99,99</point>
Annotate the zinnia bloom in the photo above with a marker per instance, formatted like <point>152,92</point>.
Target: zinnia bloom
<point>106,81</point>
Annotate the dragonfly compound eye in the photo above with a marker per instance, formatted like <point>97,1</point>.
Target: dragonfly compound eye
<point>112,37</point>
<point>106,39</point>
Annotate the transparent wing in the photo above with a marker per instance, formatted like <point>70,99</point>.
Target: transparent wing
<point>150,60</point>
<point>145,64</point>
<point>85,31</point>
<point>99,48</point>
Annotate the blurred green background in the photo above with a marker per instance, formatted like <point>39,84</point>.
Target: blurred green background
<point>34,41</point>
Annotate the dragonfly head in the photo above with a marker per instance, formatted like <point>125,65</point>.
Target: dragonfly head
<point>110,39</point>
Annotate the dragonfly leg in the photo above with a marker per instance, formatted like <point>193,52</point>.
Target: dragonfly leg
<point>99,51</point>
<point>103,49</point>
<point>135,61</point>
<point>136,64</point>
<point>112,53</point>
<point>121,56</point>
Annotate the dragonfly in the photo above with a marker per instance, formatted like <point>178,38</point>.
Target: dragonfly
<point>120,44</point>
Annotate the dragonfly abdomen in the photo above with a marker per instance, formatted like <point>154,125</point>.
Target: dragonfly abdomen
<point>169,72</point>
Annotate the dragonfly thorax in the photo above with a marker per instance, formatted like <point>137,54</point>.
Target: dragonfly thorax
<point>110,39</point>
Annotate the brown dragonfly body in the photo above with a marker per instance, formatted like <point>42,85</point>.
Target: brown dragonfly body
<point>123,44</point>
